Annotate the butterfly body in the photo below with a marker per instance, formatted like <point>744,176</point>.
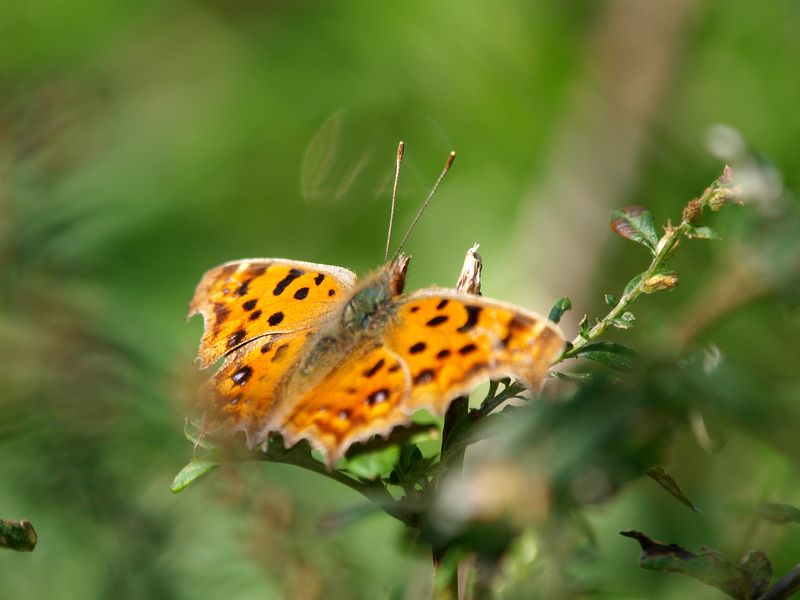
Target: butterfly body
<point>313,355</point>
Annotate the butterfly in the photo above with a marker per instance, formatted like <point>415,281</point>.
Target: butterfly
<point>313,354</point>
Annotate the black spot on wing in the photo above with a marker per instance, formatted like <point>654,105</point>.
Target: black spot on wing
<point>284,283</point>
<point>423,377</point>
<point>394,368</point>
<point>301,293</point>
<point>473,312</point>
<point>417,348</point>
<point>436,321</point>
<point>275,318</point>
<point>442,354</point>
<point>442,304</point>
<point>467,349</point>
<point>244,288</point>
<point>236,338</point>
<point>374,368</point>
<point>250,304</point>
<point>378,396</point>
<point>241,376</point>
<point>331,292</point>
<point>255,314</point>
<point>319,278</point>
<point>267,347</point>
<point>514,325</point>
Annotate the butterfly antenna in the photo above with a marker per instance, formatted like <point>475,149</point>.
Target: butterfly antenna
<point>400,149</point>
<point>449,163</point>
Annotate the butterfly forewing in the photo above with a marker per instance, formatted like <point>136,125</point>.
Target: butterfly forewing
<point>246,299</point>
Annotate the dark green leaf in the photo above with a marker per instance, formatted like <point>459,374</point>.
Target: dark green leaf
<point>709,566</point>
<point>611,300</point>
<point>561,306</point>
<point>196,469</point>
<point>610,354</point>
<point>635,223</point>
<point>702,233</point>
<point>778,513</point>
<point>665,480</point>
<point>759,571</point>
<point>17,535</point>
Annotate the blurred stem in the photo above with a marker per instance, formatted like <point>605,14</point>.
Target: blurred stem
<point>374,491</point>
<point>785,587</point>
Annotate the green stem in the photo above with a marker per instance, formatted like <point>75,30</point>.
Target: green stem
<point>667,245</point>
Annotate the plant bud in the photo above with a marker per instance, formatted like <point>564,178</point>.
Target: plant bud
<point>659,282</point>
<point>692,211</point>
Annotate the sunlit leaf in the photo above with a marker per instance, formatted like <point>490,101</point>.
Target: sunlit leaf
<point>702,233</point>
<point>610,300</point>
<point>561,306</point>
<point>666,481</point>
<point>635,223</point>
<point>193,471</point>
<point>625,321</point>
<point>17,535</point>
<point>610,354</point>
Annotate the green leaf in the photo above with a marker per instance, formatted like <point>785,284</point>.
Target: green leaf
<point>610,354</point>
<point>194,433</point>
<point>778,513</point>
<point>709,566</point>
<point>17,535</point>
<point>635,223</point>
<point>611,300</point>
<point>584,327</point>
<point>561,306</point>
<point>372,465</point>
<point>636,280</point>
<point>665,480</point>
<point>702,233</point>
<point>625,321</point>
<point>758,569</point>
<point>197,468</point>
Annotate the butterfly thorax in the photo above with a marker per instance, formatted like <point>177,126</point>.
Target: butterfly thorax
<point>370,303</point>
<point>361,319</point>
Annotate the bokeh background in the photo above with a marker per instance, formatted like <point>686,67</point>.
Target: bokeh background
<point>143,143</point>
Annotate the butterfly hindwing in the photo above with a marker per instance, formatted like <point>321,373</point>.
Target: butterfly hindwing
<point>245,299</point>
<point>241,396</point>
<point>439,345</point>
<point>452,341</point>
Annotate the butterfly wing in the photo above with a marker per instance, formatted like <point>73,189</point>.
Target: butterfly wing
<point>245,299</point>
<point>439,346</point>
<point>452,341</point>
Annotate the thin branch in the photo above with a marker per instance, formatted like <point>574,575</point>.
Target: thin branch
<point>786,587</point>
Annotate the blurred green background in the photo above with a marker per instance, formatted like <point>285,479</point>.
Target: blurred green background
<point>143,143</point>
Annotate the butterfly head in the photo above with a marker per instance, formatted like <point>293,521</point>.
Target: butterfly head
<point>367,303</point>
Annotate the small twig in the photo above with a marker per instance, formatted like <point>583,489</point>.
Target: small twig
<point>666,246</point>
<point>785,587</point>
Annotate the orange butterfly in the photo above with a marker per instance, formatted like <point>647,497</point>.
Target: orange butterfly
<point>313,354</point>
